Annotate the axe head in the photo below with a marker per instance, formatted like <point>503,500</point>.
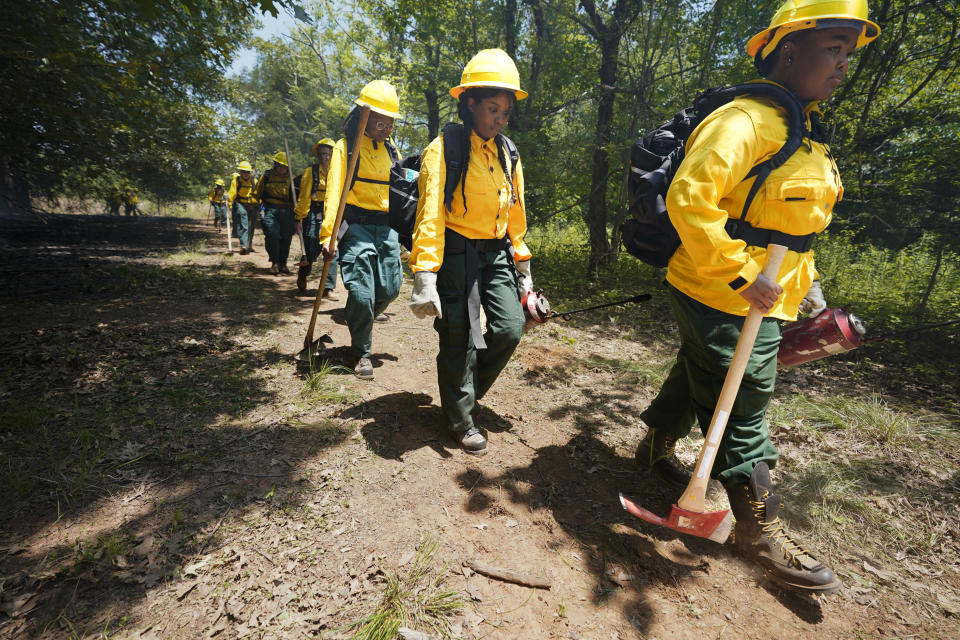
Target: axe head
<point>714,525</point>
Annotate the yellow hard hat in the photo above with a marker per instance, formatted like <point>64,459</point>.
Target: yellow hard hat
<point>796,15</point>
<point>381,97</point>
<point>219,182</point>
<point>490,68</point>
<point>280,158</point>
<point>244,166</point>
<point>325,142</point>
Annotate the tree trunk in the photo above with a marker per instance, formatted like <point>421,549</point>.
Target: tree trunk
<point>925,298</point>
<point>597,214</point>
<point>430,94</point>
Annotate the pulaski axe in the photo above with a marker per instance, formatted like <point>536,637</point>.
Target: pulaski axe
<point>689,514</point>
<point>311,348</point>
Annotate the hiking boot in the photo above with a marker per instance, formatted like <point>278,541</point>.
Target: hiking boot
<point>364,369</point>
<point>760,535</point>
<point>328,295</point>
<point>243,251</point>
<point>382,318</point>
<point>473,442</point>
<point>285,270</point>
<point>656,454</point>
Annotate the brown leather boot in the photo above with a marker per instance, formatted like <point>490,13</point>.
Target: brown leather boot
<point>656,454</point>
<point>760,535</point>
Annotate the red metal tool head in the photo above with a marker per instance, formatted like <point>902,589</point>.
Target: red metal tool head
<point>713,525</point>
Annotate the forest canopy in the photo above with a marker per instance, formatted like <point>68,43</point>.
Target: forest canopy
<point>99,93</point>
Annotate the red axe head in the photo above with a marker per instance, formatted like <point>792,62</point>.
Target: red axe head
<point>712,525</point>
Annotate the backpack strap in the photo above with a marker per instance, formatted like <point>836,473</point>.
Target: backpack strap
<point>394,158</point>
<point>453,158</point>
<point>315,171</point>
<point>796,128</point>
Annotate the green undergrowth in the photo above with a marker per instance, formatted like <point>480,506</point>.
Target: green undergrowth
<point>416,599</point>
<point>324,384</point>
<point>861,478</point>
<point>886,287</point>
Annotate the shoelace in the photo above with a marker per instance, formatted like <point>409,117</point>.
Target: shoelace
<point>789,547</point>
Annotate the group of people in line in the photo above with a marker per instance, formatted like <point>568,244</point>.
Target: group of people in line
<point>469,253</point>
<point>128,198</point>
<point>281,211</point>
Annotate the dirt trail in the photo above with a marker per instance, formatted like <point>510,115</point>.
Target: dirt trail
<point>267,515</point>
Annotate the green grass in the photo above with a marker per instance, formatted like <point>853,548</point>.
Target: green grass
<point>324,385</point>
<point>417,600</point>
<point>864,478</point>
<point>634,372</point>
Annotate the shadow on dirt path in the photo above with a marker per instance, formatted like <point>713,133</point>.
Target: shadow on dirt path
<point>136,414</point>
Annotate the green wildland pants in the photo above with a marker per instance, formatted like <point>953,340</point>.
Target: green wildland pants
<point>465,373</point>
<point>707,341</point>
<point>370,265</point>
<point>278,227</point>
<point>311,239</point>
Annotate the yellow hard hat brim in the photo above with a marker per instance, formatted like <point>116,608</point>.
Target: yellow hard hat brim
<point>380,110</point>
<point>316,148</point>
<point>460,88</point>
<point>770,37</point>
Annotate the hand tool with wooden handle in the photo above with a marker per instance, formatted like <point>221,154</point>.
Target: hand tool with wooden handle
<point>690,514</point>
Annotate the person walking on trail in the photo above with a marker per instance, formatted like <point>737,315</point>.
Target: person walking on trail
<point>713,279</point>
<point>130,201</point>
<point>468,248</point>
<point>115,200</point>
<point>276,198</point>
<point>369,250</point>
<point>244,202</point>
<point>218,200</point>
<point>309,213</point>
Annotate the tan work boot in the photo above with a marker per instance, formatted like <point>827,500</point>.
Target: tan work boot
<point>760,535</point>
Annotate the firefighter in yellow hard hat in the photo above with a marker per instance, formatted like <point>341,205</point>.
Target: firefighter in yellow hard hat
<point>276,205</point>
<point>715,275</point>
<point>130,202</point>
<point>243,205</point>
<point>218,200</point>
<point>309,213</point>
<point>369,251</point>
<point>468,243</point>
<point>115,200</point>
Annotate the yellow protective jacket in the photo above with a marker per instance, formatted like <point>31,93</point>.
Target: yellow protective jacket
<point>241,190</point>
<point>306,186</point>
<point>489,212</point>
<point>130,196</point>
<point>273,189</point>
<point>371,190</point>
<point>217,195</point>
<point>116,196</point>
<point>709,187</point>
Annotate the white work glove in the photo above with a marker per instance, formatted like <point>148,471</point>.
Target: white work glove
<point>525,285</point>
<point>813,304</point>
<point>425,300</point>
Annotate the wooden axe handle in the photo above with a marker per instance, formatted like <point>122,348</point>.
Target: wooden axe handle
<point>347,180</point>
<point>694,497</point>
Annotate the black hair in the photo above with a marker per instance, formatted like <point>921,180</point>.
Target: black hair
<point>765,66</point>
<point>466,116</point>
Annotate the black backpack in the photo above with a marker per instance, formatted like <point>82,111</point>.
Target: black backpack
<point>654,159</point>
<point>404,175</point>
